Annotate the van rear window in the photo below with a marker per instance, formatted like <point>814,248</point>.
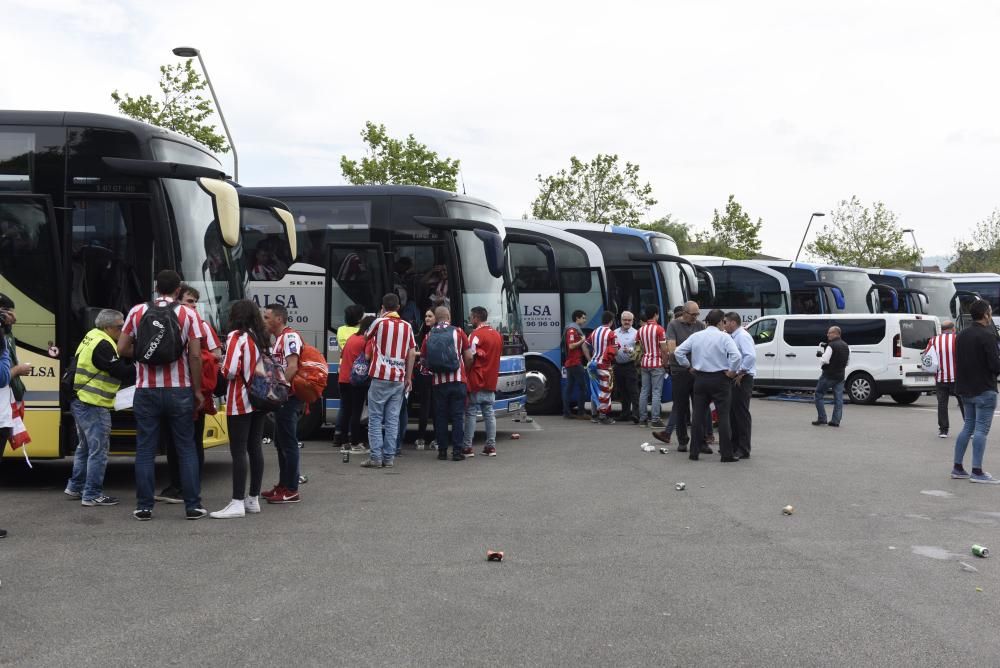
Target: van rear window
<point>916,333</point>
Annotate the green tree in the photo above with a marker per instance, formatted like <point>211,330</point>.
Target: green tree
<point>180,108</point>
<point>859,236</point>
<point>733,234</point>
<point>679,231</point>
<point>598,191</point>
<point>401,162</point>
<point>982,251</point>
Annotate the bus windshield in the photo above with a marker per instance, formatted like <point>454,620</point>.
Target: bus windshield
<point>479,286</point>
<point>671,272</point>
<point>855,286</point>
<point>206,263</point>
<point>940,292</point>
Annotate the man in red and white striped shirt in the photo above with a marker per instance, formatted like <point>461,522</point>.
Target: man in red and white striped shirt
<point>449,389</point>
<point>392,350</point>
<point>653,340</point>
<point>944,345</point>
<point>600,340</point>
<point>170,393</point>
<point>287,346</point>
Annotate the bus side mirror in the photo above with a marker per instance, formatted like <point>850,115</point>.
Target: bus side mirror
<point>494,251</point>
<point>288,221</point>
<point>838,298</point>
<point>225,206</point>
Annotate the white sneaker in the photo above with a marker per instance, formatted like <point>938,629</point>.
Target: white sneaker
<point>251,504</point>
<point>358,449</point>
<point>231,511</point>
<point>420,444</point>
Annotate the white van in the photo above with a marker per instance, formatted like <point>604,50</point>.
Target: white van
<point>885,353</point>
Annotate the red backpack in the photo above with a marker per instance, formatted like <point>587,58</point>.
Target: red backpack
<point>310,379</point>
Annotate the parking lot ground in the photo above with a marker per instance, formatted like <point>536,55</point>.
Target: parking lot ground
<point>605,562</point>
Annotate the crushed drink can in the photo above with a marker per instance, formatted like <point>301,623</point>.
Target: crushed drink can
<point>347,456</point>
<point>494,555</point>
<point>664,451</point>
<point>680,487</point>
<point>515,436</point>
<point>980,551</point>
<point>788,510</point>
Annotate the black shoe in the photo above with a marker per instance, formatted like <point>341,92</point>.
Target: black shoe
<point>705,450</point>
<point>693,458</point>
<point>635,420</point>
<point>743,455</point>
<point>818,423</point>
<point>170,495</point>
<point>727,460</point>
<point>195,513</point>
<point>142,515</point>
<point>3,533</point>
<point>101,501</point>
<point>834,424</point>
<point>458,457</point>
<point>443,454</point>
<point>682,447</point>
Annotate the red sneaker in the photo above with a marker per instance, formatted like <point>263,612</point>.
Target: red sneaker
<point>273,492</point>
<point>285,496</point>
<point>489,451</point>
<point>468,452</point>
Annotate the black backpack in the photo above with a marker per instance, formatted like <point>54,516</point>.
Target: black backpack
<point>158,337</point>
<point>442,356</point>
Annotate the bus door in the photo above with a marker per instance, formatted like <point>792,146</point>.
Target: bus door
<point>632,288</point>
<point>31,275</point>
<point>424,274</point>
<point>583,289</point>
<point>355,274</point>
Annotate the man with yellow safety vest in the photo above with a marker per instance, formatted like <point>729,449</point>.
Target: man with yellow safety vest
<point>99,374</point>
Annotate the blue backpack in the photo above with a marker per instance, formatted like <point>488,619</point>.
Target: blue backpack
<point>359,370</point>
<point>442,357</point>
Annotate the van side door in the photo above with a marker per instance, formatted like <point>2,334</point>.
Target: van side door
<point>766,345</point>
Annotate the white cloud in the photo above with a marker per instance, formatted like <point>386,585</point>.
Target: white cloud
<point>791,106</point>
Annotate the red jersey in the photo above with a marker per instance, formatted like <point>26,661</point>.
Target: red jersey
<point>390,339</point>
<point>486,345</point>
<point>177,373</point>
<point>239,366</point>
<point>944,345</point>
<point>354,346</point>
<point>461,345</point>
<point>651,335</point>
<point>599,340</point>
<point>574,356</point>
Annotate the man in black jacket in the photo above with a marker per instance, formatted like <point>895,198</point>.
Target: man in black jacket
<point>833,360</point>
<point>977,364</point>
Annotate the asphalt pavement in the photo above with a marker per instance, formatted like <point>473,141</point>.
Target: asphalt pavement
<point>605,563</point>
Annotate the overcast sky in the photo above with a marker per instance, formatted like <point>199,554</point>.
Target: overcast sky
<point>789,105</point>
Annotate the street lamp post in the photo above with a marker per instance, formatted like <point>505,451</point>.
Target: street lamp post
<point>817,214</point>
<point>191,52</point>
<point>920,261</point>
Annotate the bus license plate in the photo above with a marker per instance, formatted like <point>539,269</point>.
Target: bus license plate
<point>513,406</point>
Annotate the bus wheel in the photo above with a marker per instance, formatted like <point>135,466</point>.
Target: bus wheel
<point>905,397</point>
<point>542,387</point>
<point>309,425</point>
<point>861,388</point>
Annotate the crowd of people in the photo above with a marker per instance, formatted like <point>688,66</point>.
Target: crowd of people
<point>177,362</point>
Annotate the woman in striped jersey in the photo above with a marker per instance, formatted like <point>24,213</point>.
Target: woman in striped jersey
<point>246,426</point>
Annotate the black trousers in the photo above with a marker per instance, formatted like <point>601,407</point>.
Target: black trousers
<point>245,435</point>
<point>709,387</point>
<point>173,462</point>
<point>627,384</point>
<point>740,419</point>
<point>682,384</point>
<point>352,404</point>
<point>422,388</point>
<point>944,392</point>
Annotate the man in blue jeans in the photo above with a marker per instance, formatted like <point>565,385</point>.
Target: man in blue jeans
<point>287,347</point>
<point>392,351</point>
<point>99,374</point>
<point>576,357</point>
<point>483,362</point>
<point>977,363</point>
<point>833,361</point>
<point>169,391</point>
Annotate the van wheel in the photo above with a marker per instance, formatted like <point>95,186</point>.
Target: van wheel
<point>905,397</point>
<point>543,388</point>
<point>861,388</point>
